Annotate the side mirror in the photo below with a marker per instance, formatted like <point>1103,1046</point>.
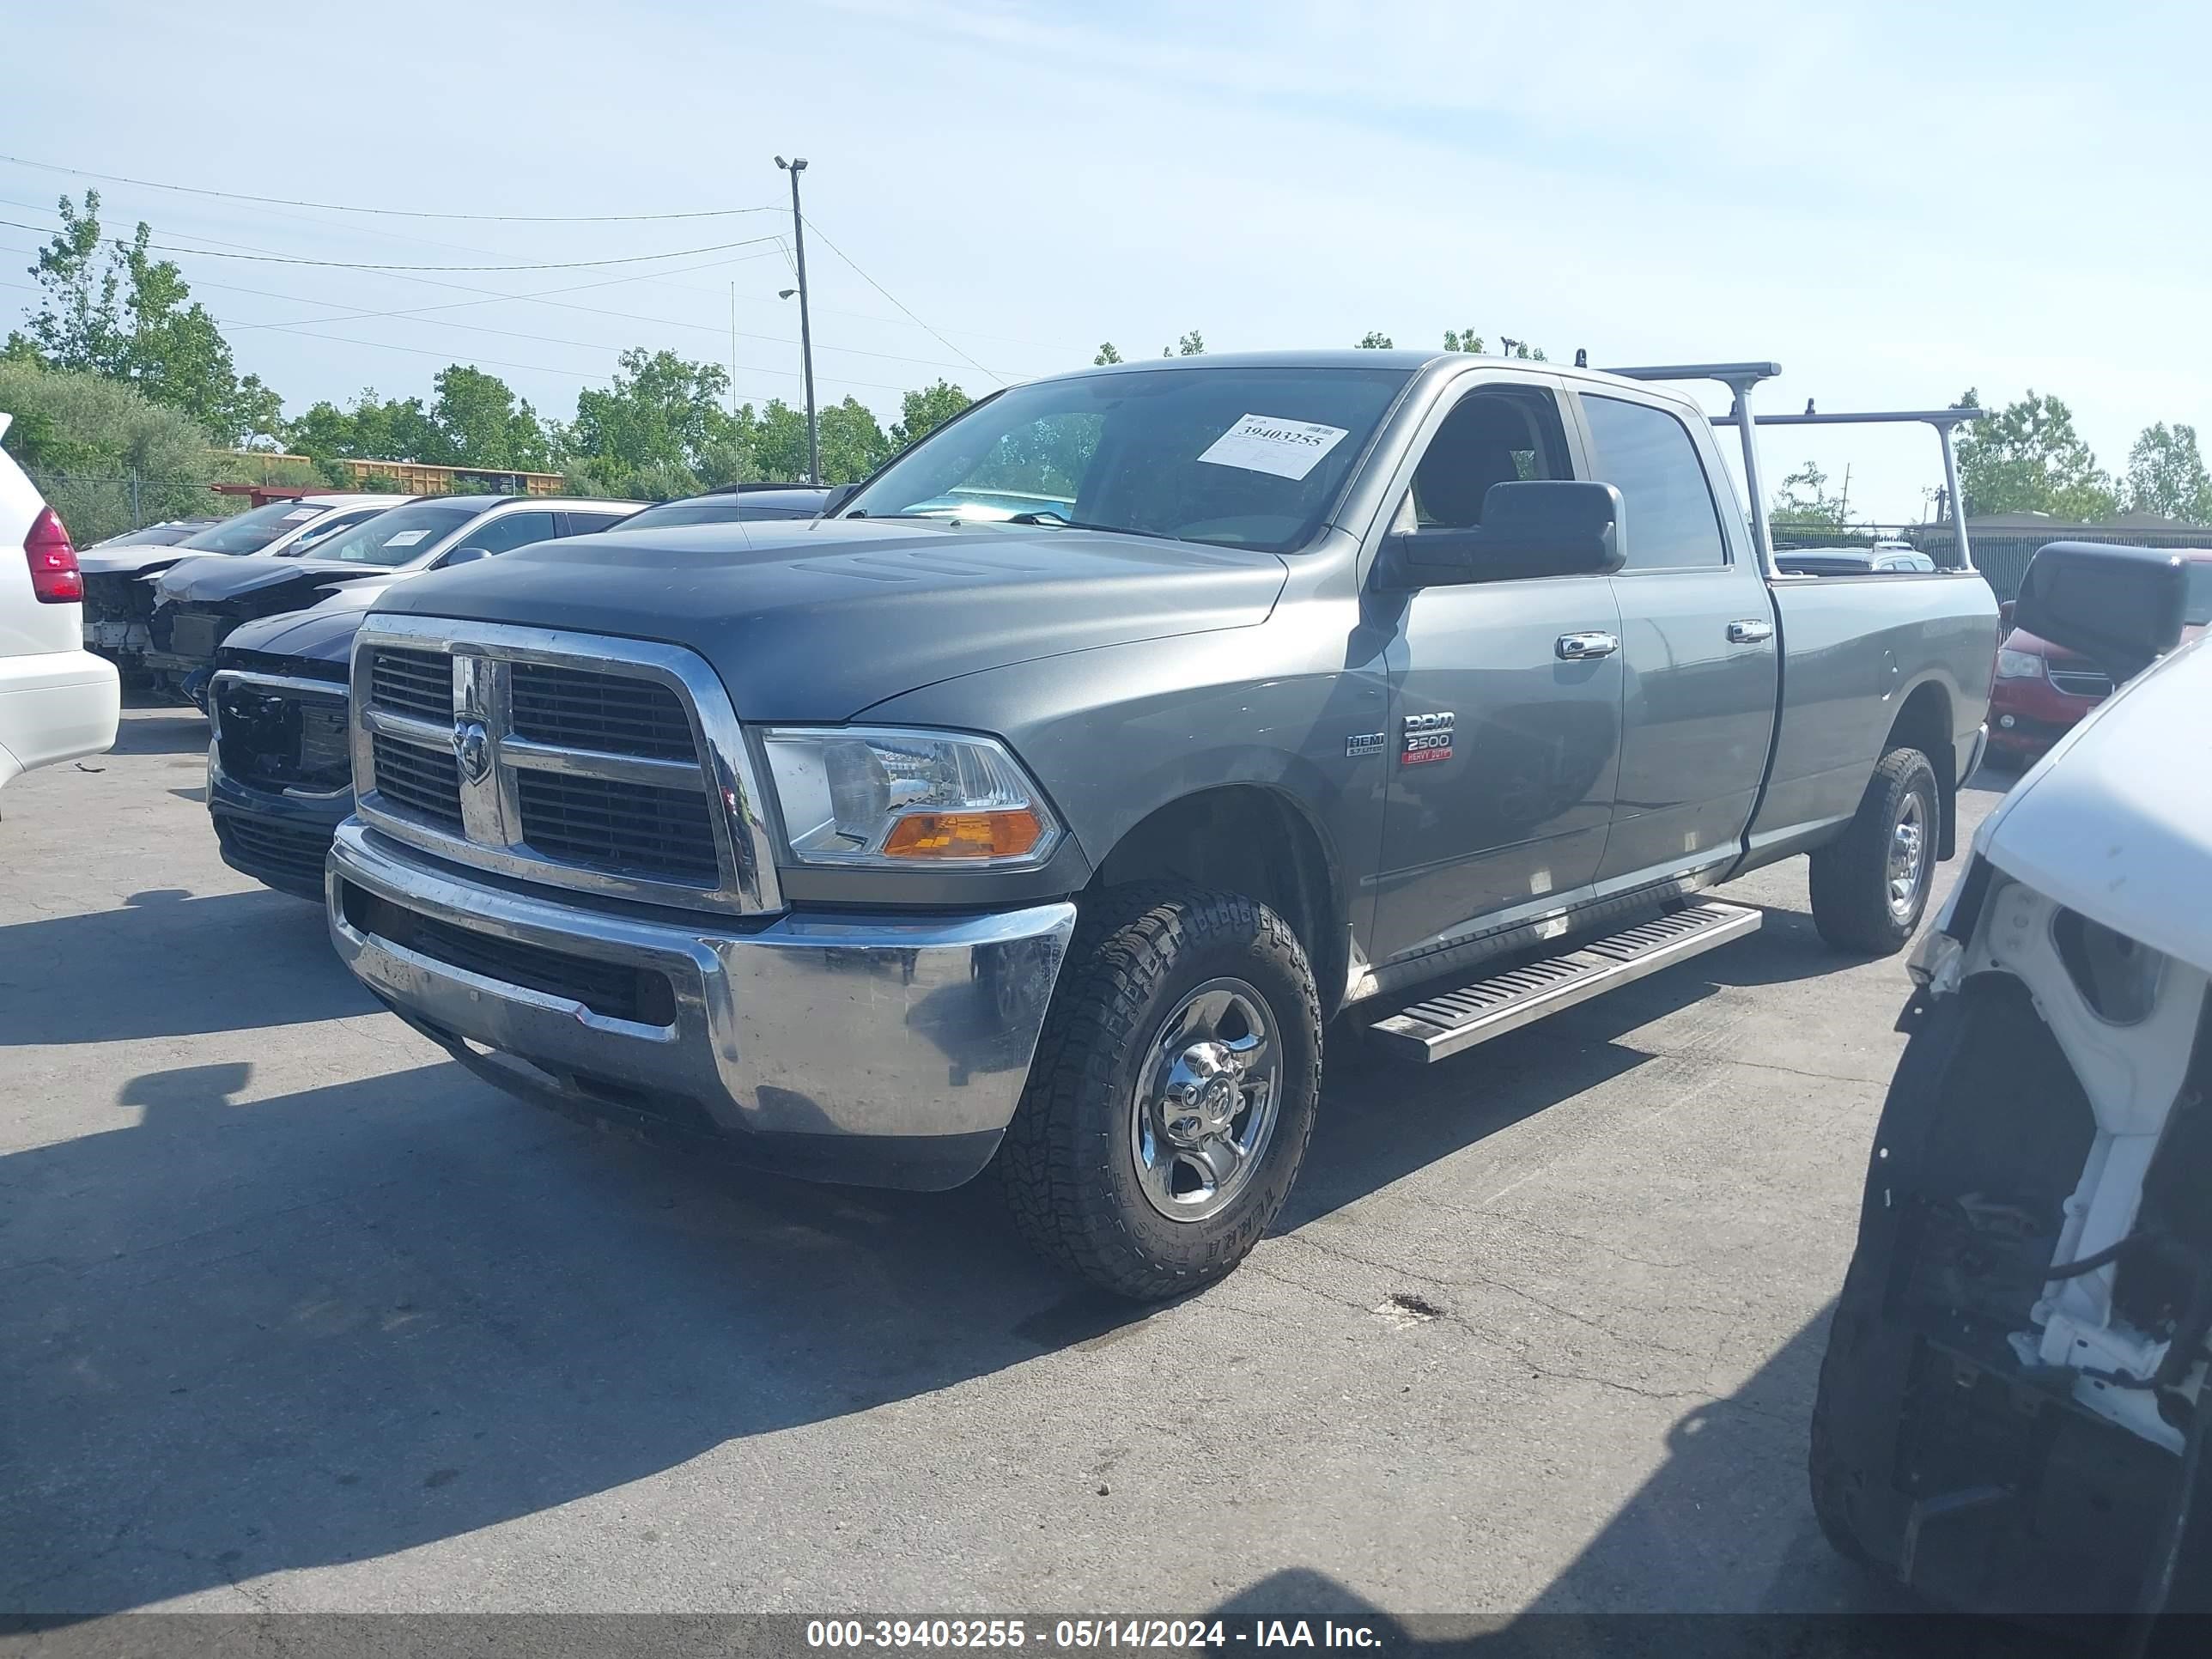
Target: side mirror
<point>2121,607</point>
<point>463,556</point>
<point>1538,528</point>
<point>836,504</point>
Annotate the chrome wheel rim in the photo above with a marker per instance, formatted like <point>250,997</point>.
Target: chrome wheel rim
<point>1908,858</point>
<point>1206,1100</point>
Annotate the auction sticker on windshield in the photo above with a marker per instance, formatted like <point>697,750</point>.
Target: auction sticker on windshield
<point>1265,443</point>
<point>406,538</point>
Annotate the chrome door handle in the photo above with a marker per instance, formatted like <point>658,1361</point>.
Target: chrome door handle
<point>1752,630</point>
<point>1580,647</point>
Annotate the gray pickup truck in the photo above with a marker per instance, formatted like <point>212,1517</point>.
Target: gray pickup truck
<point>1039,806</point>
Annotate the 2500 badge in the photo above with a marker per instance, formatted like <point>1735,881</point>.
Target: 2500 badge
<point>1427,738</point>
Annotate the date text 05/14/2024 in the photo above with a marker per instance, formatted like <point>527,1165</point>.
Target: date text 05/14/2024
<point>1088,1634</point>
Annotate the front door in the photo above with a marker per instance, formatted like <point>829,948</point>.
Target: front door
<point>1505,702</point>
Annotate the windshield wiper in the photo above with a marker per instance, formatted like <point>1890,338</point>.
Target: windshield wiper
<point>1045,515</point>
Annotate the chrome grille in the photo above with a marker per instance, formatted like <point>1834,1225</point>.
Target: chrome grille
<point>581,710</point>
<point>2078,683</point>
<point>605,765</point>
<point>417,682</point>
<point>419,780</point>
<point>623,827</point>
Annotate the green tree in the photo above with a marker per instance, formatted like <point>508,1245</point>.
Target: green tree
<point>853,443</point>
<point>2028,457</point>
<point>79,328</point>
<point>1107,354</point>
<point>1805,513</point>
<point>652,430</point>
<point>373,429</point>
<point>1372,341</point>
<point>87,440</point>
<point>130,317</point>
<point>925,409</point>
<point>1192,345</point>
<point>1463,340</point>
<point>2166,475</point>
<point>479,418</point>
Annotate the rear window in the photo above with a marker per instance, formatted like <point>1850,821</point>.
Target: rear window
<point>2198,604</point>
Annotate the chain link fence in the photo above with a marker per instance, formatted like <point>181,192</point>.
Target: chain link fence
<point>96,505</point>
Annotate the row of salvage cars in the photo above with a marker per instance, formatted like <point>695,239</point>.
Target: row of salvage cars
<point>253,619</point>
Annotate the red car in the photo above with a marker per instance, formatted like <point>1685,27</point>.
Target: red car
<point>2043,688</point>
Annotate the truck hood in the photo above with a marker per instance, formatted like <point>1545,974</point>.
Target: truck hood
<point>2116,822</point>
<point>321,633</point>
<point>815,622</point>
<point>264,578</point>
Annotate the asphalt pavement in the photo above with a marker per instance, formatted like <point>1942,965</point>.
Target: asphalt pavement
<point>296,1315</point>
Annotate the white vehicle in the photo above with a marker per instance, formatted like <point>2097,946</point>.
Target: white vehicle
<point>118,602</point>
<point>57,700</point>
<point>2013,1406</point>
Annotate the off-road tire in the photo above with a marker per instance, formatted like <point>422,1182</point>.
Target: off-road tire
<point>1065,1167</point>
<point>1850,875</point>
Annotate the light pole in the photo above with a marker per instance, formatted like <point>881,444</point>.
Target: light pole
<point>796,166</point>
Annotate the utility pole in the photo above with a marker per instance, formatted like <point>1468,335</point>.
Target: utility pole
<point>796,166</point>
<point>734,350</point>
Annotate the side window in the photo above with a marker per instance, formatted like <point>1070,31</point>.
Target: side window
<point>1500,434</point>
<point>587,524</point>
<point>1669,519</point>
<point>514,530</point>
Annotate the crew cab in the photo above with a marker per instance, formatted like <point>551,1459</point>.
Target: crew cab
<point>2012,1412</point>
<point>1429,692</point>
<point>197,601</point>
<point>2043,689</point>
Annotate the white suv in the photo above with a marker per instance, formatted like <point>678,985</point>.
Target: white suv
<point>58,701</point>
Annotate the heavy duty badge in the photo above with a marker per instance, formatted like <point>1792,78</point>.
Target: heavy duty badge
<point>1428,738</point>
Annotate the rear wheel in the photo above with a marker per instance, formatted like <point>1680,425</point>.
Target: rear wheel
<point>1174,1088</point>
<point>1870,886</point>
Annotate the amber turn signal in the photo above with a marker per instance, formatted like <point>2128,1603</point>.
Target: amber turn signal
<point>1002,835</point>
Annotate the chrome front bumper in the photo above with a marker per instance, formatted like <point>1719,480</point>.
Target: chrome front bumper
<point>880,1049</point>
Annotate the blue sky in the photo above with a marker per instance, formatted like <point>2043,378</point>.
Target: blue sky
<point>1894,201</point>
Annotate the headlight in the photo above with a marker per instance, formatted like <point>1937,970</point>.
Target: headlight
<point>2019,665</point>
<point>893,798</point>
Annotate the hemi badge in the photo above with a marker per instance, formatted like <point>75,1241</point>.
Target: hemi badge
<point>1427,739</point>
<point>1364,743</point>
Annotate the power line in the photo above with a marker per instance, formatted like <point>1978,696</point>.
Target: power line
<point>491,297</point>
<point>901,304</point>
<point>360,264</point>
<point>391,213</point>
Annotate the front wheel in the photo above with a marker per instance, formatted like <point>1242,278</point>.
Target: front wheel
<point>1870,885</point>
<point>1174,1088</point>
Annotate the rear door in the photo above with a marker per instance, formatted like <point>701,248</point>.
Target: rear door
<point>1501,754</point>
<point>1697,645</point>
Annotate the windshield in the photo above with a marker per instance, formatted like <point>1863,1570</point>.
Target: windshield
<point>254,529</point>
<point>2196,606</point>
<point>402,534</point>
<point>1234,456</point>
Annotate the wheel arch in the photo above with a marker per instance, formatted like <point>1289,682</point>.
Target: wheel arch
<point>1924,722</point>
<point>1251,839</point>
